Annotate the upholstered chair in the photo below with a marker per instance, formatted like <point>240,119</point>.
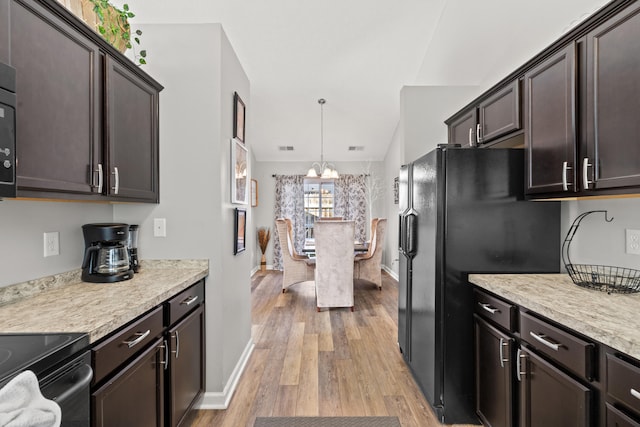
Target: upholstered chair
<point>368,265</point>
<point>296,267</point>
<point>334,263</point>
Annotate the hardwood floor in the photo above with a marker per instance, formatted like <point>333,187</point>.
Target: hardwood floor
<point>332,363</point>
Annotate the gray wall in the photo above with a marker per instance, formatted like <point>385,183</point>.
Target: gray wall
<point>22,226</point>
<point>196,111</point>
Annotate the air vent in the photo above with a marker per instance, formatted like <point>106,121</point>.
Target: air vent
<point>285,148</point>
<point>356,148</point>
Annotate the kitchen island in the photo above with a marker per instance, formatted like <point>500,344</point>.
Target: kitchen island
<point>64,303</point>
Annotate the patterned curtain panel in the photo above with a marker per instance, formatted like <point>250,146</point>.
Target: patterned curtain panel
<point>289,204</point>
<point>351,202</point>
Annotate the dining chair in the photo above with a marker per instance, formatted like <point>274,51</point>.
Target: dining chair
<point>334,263</point>
<point>296,267</point>
<point>367,266</point>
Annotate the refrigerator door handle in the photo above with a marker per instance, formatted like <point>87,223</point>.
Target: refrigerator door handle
<point>411,234</point>
<point>401,233</point>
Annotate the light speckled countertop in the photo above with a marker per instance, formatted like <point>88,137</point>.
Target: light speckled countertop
<point>64,303</point>
<point>611,319</point>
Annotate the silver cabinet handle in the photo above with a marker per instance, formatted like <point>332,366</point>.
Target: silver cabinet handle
<point>116,187</point>
<point>519,358</point>
<point>100,177</point>
<point>635,393</point>
<point>140,336</point>
<point>502,346</point>
<point>541,339</point>
<point>471,137</point>
<point>177,351</point>
<point>488,308</point>
<point>165,362</point>
<point>565,169</point>
<point>585,175</point>
<point>189,300</point>
<point>478,137</point>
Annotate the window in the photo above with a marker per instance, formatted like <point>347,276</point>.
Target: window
<point>318,203</point>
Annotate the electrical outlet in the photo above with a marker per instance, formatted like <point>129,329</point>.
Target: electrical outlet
<point>633,241</point>
<point>51,244</point>
<point>159,227</point>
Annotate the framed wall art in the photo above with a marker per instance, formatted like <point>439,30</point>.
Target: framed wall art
<point>254,193</point>
<point>396,191</point>
<point>238,172</point>
<point>238,117</point>
<point>239,230</point>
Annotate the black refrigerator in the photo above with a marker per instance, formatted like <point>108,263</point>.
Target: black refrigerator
<point>462,211</point>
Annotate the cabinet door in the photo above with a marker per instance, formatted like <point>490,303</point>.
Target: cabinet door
<point>132,134</point>
<point>549,397</point>
<point>500,113</point>
<point>550,124</point>
<point>462,130</point>
<point>186,365</point>
<point>58,91</point>
<point>613,58</point>
<point>135,396</point>
<point>494,375</point>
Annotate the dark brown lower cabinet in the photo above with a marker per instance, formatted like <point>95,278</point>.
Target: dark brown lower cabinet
<point>135,395</point>
<point>494,375</point>
<point>186,365</point>
<point>617,418</point>
<point>548,396</point>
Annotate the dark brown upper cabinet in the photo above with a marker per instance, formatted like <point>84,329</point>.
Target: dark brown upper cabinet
<point>550,137</point>
<point>132,134</point>
<point>612,157</point>
<point>87,117</point>
<point>59,102</point>
<point>494,116</point>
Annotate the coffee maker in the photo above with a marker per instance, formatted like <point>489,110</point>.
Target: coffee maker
<point>106,255</point>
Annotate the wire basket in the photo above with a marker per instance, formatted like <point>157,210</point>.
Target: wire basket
<point>601,277</point>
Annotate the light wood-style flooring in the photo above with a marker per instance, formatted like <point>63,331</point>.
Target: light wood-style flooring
<point>332,363</point>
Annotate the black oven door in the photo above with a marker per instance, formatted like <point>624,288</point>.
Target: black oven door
<point>68,386</point>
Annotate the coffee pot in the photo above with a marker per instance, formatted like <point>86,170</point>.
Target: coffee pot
<point>106,255</point>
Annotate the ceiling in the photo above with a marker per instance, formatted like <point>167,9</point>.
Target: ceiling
<point>357,54</point>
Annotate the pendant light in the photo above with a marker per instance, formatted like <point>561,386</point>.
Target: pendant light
<point>323,169</point>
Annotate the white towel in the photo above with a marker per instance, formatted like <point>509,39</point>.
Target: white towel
<point>22,404</point>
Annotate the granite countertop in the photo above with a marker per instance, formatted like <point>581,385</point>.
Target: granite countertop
<point>608,318</point>
<point>64,303</point>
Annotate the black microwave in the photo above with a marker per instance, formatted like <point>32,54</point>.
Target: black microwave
<point>7,131</point>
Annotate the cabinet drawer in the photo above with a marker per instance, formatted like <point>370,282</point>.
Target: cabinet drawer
<point>617,418</point>
<point>184,302</point>
<point>567,349</point>
<point>125,343</point>
<point>623,382</point>
<point>495,309</point>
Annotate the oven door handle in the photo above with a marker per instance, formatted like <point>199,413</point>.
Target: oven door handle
<point>83,376</point>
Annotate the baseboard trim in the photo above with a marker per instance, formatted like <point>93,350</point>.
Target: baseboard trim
<point>217,400</point>
<point>391,272</point>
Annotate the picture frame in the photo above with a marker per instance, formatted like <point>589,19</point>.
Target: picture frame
<point>239,113</point>
<point>239,172</point>
<point>254,193</point>
<point>240,230</point>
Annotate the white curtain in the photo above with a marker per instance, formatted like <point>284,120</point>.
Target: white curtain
<point>350,202</point>
<point>289,204</point>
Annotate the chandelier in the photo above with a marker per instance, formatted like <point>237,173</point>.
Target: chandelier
<point>323,169</point>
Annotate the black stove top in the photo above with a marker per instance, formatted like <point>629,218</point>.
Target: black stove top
<point>37,352</point>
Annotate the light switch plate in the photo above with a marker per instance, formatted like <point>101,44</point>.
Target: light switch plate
<point>159,227</point>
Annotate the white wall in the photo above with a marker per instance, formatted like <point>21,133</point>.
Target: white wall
<point>200,72</point>
<point>423,110</point>
<point>263,215</point>
<point>22,226</point>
